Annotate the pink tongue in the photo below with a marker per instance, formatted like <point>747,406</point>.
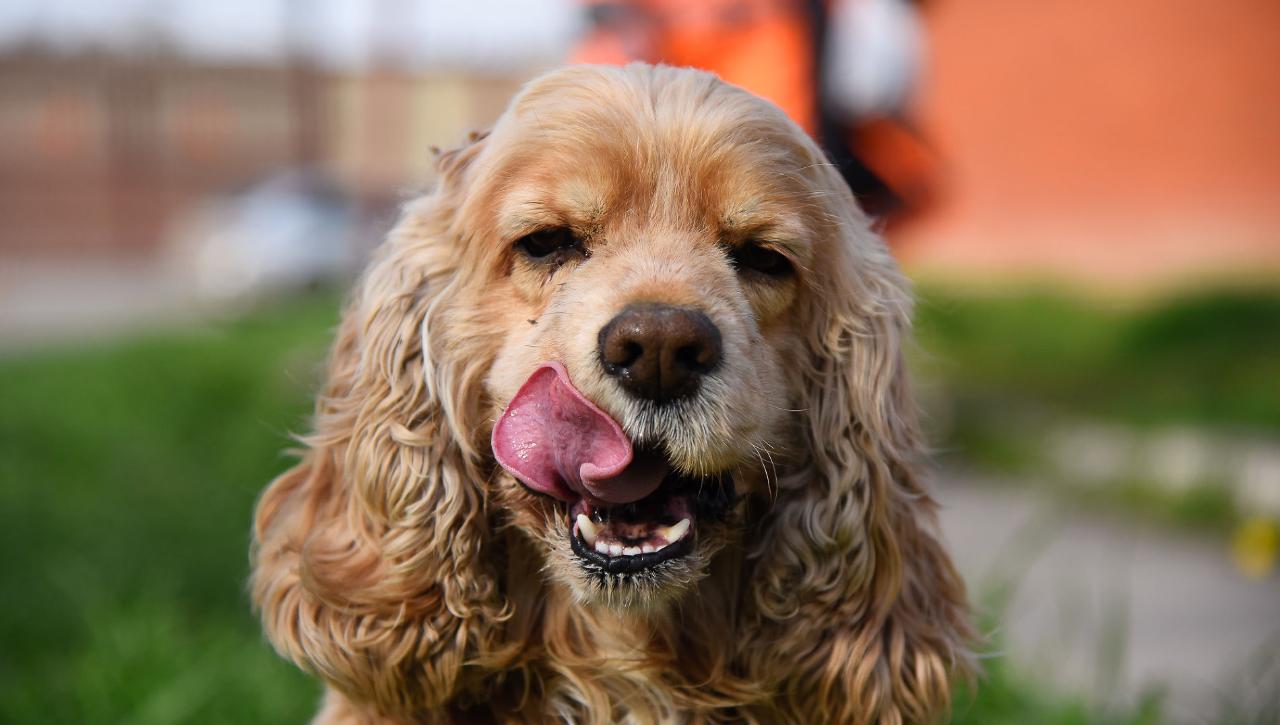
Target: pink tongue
<point>557,442</point>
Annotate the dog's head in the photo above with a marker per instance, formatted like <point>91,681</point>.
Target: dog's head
<point>640,322</point>
<point>644,240</point>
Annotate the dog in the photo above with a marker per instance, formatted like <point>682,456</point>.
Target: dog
<point>617,429</point>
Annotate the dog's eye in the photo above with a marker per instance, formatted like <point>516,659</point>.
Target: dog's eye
<point>755,258</point>
<point>545,243</point>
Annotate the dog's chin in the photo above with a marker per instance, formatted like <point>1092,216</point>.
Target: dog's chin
<point>644,554</point>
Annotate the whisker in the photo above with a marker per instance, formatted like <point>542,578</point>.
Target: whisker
<point>774,466</point>
<point>768,486</point>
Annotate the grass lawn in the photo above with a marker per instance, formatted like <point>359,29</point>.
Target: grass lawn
<point>128,473</point>
<point>1208,359</point>
<point>127,477</point>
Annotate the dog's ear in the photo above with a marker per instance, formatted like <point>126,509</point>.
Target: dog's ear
<point>371,555</point>
<point>864,615</point>
<point>452,164</point>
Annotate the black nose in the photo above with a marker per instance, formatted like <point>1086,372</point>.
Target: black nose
<point>660,352</point>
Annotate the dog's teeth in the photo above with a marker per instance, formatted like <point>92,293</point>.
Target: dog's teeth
<point>677,532</point>
<point>631,551</point>
<point>615,549</point>
<point>647,548</point>
<point>602,548</point>
<point>587,529</point>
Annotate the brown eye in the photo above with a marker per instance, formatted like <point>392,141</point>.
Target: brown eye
<point>761,260</point>
<point>552,245</point>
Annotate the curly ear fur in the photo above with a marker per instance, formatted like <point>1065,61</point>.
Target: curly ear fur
<point>848,549</point>
<point>368,564</point>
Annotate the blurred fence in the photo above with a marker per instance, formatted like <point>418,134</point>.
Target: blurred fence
<point>101,152</point>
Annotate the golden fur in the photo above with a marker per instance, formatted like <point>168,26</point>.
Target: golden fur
<point>399,564</point>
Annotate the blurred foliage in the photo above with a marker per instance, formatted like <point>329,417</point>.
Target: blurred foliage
<point>1004,695</point>
<point>127,478</point>
<point>999,372</point>
<point>1211,358</point>
<point>128,475</point>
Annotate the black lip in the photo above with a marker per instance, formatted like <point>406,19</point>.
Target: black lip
<point>630,564</point>
<point>711,499</point>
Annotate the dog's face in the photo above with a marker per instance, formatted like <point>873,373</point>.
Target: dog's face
<point>653,250</point>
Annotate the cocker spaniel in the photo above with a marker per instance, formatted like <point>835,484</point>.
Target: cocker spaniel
<point>616,429</point>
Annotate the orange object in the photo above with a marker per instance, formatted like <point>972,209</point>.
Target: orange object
<point>762,45</point>
<point>769,47</point>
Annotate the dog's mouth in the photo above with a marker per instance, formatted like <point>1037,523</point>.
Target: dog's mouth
<point>628,509</point>
<point>634,537</point>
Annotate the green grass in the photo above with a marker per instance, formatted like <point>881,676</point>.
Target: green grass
<point>1004,697</point>
<point>1212,358</point>
<point>128,474</point>
<point>127,478</point>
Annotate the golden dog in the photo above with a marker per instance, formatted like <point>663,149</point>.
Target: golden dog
<point>617,429</point>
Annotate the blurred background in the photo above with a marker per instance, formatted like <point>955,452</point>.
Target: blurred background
<point>1086,193</point>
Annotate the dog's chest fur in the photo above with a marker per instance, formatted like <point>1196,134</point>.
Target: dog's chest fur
<point>590,664</point>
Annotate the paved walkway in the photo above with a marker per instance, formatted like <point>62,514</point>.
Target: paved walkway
<point>69,301</point>
<point>1102,607</point>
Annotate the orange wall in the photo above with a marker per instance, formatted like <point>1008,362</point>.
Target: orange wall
<point>1108,141</point>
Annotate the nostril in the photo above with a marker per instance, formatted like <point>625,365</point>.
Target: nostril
<point>631,351</point>
<point>695,357</point>
<point>620,348</point>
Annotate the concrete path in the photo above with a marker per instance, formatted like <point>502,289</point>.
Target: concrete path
<point>73,301</point>
<point>1105,608</point>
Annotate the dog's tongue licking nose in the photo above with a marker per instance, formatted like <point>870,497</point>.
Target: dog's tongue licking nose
<point>557,442</point>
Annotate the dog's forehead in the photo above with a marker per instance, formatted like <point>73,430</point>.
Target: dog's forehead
<point>719,173</point>
<point>595,198</point>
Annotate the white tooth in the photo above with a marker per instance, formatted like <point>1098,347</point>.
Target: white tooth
<point>587,529</point>
<point>660,547</point>
<point>602,548</point>
<point>615,549</point>
<point>677,532</point>
<point>647,548</point>
<point>631,551</point>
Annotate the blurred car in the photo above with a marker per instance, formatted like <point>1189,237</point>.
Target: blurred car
<point>290,231</point>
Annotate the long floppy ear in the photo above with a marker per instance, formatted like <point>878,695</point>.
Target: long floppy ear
<point>863,615</point>
<point>370,554</point>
